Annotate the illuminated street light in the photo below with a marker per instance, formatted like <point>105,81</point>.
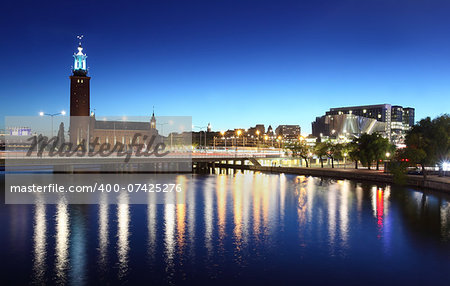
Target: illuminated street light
<point>52,115</point>
<point>238,132</point>
<point>386,161</point>
<point>200,133</point>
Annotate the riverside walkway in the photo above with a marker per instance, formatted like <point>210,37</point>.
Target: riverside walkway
<point>432,181</point>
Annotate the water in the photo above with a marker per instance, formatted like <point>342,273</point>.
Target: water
<point>240,229</point>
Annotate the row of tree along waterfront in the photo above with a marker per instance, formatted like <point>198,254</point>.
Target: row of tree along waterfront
<point>427,145</point>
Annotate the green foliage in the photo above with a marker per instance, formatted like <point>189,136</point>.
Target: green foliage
<point>334,151</point>
<point>321,150</point>
<point>428,142</point>
<point>369,148</point>
<point>398,171</point>
<point>298,149</point>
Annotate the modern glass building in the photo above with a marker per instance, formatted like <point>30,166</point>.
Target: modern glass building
<point>392,121</point>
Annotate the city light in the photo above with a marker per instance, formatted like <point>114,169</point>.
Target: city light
<point>52,115</point>
<point>446,166</point>
<point>388,154</point>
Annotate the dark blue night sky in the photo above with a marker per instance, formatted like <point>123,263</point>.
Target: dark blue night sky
<point>231,63</point>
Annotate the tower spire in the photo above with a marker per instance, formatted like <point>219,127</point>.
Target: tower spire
<point>153,120</point>
<point>79,67</point>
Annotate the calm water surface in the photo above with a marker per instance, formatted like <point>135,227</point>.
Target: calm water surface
<point>244,228</point>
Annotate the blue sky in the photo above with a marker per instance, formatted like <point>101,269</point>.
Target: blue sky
<point>231,63</point>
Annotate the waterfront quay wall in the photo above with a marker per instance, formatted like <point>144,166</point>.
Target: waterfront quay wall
<point>432,182</point>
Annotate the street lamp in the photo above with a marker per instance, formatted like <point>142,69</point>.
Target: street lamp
<point>257,139</point>
<point>238,133</point>
<point>200,134</point>
<point>223,135</point>
<point>52,115</point>
<point>385,161</point>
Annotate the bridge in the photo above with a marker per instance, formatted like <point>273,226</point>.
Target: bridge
<point>198,161</point>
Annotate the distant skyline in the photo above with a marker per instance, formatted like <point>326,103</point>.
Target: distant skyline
<point>234,64</point>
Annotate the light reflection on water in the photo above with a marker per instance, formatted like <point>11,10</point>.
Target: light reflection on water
<point>231,225</point>
<point>62,242</point>
<point>103,234</point>
<point>123,221</point>
<point>445,218</point>
<point>40,243</point>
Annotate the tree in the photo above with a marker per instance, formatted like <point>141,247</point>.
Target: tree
<point>366,152</point>
<point>321,151</point>
<point>353,151</point>
<point>428,142</point>
<point>381,146</point>
<point>368,148</point>
<point>334,152</point>
<point>299,149</point>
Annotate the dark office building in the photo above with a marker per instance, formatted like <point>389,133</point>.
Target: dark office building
<point>288,131</point>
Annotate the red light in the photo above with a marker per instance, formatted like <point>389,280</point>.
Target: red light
<point>407,160</point>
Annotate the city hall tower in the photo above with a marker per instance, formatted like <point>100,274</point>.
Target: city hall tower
<point>79,85</point>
